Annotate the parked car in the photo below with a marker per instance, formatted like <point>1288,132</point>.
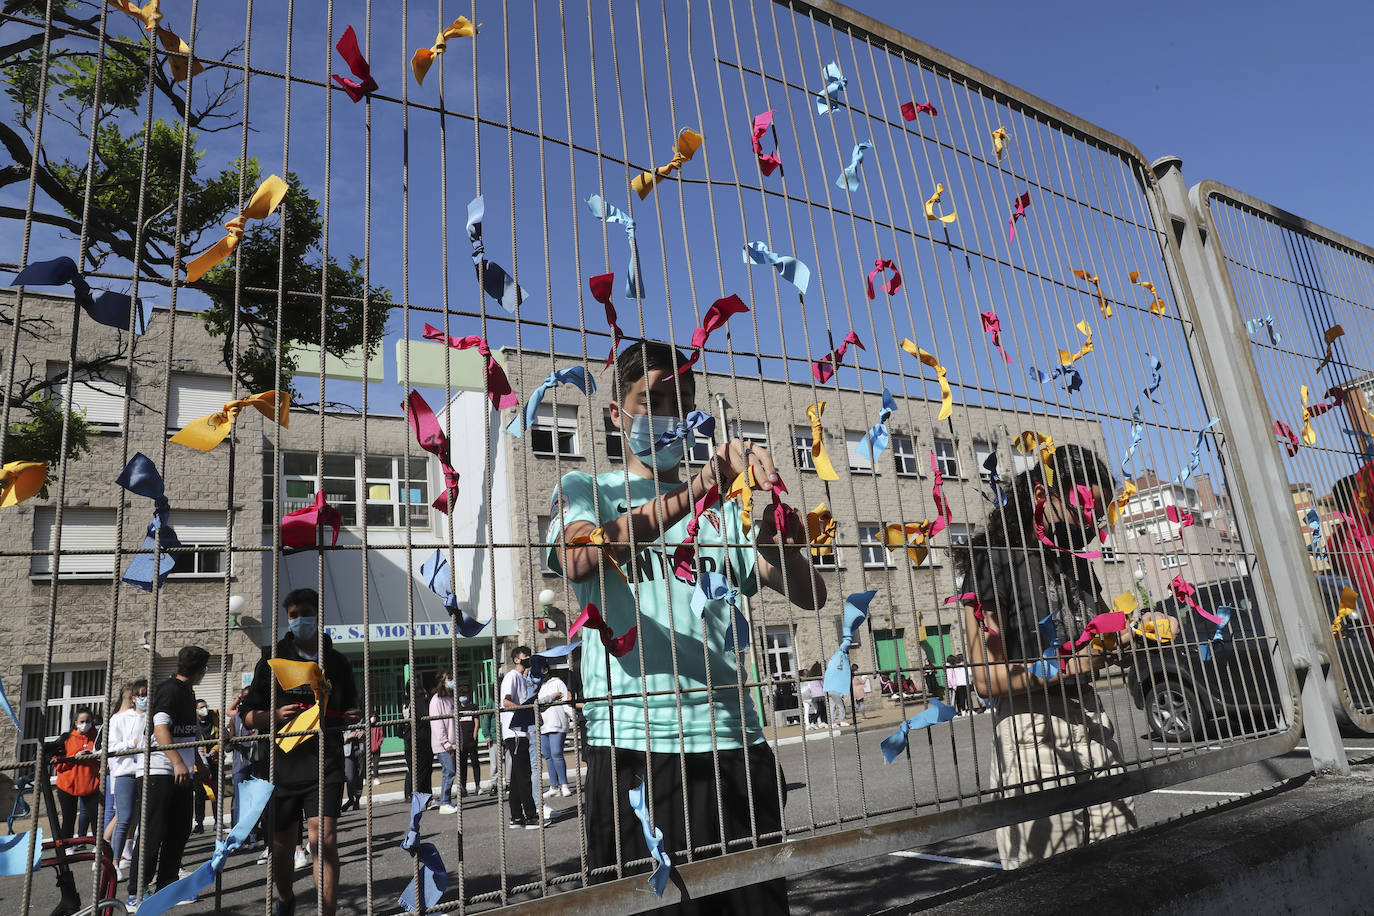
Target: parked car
<point>1184,694</point>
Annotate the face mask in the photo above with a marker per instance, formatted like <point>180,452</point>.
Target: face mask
<point>449,684</point>
<point>644,432</point>
<point>301,627</point>
<point>84,727</point>
<point>141,704</point>
<point>202,713</point>
<point>462,699</point>
<point>1072,535</point>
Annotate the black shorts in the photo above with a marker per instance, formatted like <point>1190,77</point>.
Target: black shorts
<point>291,804</point>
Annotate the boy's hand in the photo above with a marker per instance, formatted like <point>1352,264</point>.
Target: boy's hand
<point>730,460</point>
<point>794,533</point>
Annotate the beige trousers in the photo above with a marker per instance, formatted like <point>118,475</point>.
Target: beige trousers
<point>1047,741</point>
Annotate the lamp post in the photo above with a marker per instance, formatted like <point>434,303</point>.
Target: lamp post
<point>1144,593</point>
<point>546,600</point>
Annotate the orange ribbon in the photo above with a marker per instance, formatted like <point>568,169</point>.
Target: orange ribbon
<point>150,14</point>
<point>941,376</point>
<point>1158,306</point>
<point>209,431</point>
<point>1029,441</point>
<point>999,142</point>
<point>21,480</point>
<point>1118,505</point>
<point>935,199</point>
<point>293,674</point>
<point>820,529</point>
<point>742,489</point>
<point>912,536</point>
<point>1348,598</point>
<point>1103,305</point>
<point>597,538</point>
<point>824,469</point>
<point>688,142</point>
<point>264,200</point>
<point>424,58</point>
<point>1333,333</point>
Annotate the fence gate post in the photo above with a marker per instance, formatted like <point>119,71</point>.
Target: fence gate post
<point>1222,352</point>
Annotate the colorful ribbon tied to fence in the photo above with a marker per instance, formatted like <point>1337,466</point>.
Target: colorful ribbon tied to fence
<point>1029,441</point>
<point>877,439</point>
<point>820,530</point>
<point>1117,507</point>
<point>684,555</point>
<point>893,283</point>
<point>618,646</point>
<point>1224,614</point>
<point>684,148</point>
<point>600,286</point>
<point>1331,335</point>
<point>291,675</point>
<point>970,599</point>
<point>915,537</point>
<point>1137,433</point>
<point>896,743</point>
<point>204,433</point>
<point>789,268</point>
<point>610,213</point>
<point>265,199</point>
<point>824,368</point>
<point>423,59</point>
<point>433,880</point>
<point>1018,211</point>
<point>653,838</point>
<point>763,124</point>
<point>1186,593</point>
<point>301,527</point>
<point>849,178</point>
<point>993,325</point>
<point>686,429</point>
<point>1195,455</point>
<point>114,310</point>
<point>999,142</point>
<point>496,282</point>
<point>1156,377</point>
<point>430,435</point>
<point>742,491</point>
<point>911,109</point>
<point>577,376</point>
<point>828,98</point>
<point>1157,305</point>
<point>1103,305</point>
<point>941,376</point>
<point>1081,498</point>
<point>141,478</point>
<point>713,587</point>
<point>498,386</point>
<point>1253,325</point>
<point>720,312</point>
<point>178,52</point>
<point>1349,597</point>
<point>1287,438</point>
<point>357,64</point>
<point>999,488</point>
<point>437,575</point>
<point>1180,518</point>
<point>931,202</point>
<point>21,480</point>
<point>838,670</point>
<point>824,469</point>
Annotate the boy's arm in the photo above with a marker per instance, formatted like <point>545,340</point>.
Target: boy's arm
<point>784,560</point>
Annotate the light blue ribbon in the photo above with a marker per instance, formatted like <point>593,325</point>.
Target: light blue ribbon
<point>141,478</point>
<point>999,489</point>
<point>1073,375</point>
<point>436,574</point>
<point>254,797</point>
<point>1048,666</point>
<point>1254,324</point>
<point>110,309</point>
<point>602,210</point>
<point>1204,651</point>
<point>1367,448</point>
<point>837,672</point>
<point>835,82</point>
<point>878,438</point>
<point>849,178</point>
<point>1137,433</point>
<point>653,838</point>
<point>894,744</point>
<point>790,269</point>
<point>1314,527</point>
<point>696,421</point>
<point>432,873</point>
<point>573,375</point>
<point>13,853</point>
<point>496,283</point>
<point>9,710</point>
<point>1156,378</point>
<point>1195,456</point>
<point>712,587</point>
<point>418,801</point>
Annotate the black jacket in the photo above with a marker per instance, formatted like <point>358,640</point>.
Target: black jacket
<point>1021,586</point>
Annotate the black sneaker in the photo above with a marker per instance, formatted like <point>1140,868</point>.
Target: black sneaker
<point>518,824</point>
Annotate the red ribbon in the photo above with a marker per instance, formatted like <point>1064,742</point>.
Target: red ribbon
<point>618,646</point>
<point>1185,591</point>
<point>1283,431</point>
<point>498,386</point>
<point>716,316</point>
<point>1185,519</point>
<point>432,439</point>
<point>768,162</point>
<point>601,286</point>
<point>993,325</point>
<point>348,50</point>
<point>824,368</point>
<point>1021,203</point>
<point>301,528</point>
<point>937,493</point>
<point>910,109</point>
<point>892,285</point>
<point>684,557</point>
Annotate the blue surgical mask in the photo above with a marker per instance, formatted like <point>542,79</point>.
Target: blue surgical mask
<point>450,684</point>
<point>301,627</point>
<point>644,432</point>
<point>141,704</point>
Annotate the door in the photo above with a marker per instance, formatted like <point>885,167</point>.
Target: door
<point>891,646</point>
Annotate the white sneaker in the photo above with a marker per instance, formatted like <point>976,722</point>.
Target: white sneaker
<point>302,859</point>
<point>447,809</point>
<point>553,790</point>
<point>266,853</point>
<point>376,781</point>
<point>564,791</point>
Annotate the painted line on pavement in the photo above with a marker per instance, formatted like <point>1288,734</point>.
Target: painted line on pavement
<point>952,860</point>
<point>1197,792</point>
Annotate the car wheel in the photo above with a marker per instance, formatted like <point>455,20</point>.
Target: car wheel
<point>1173,711</point>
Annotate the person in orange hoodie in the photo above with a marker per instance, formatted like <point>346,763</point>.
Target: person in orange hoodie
<point>79,782</point>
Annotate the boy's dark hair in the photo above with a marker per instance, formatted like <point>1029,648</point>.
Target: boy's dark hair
<point>192,660</point>
<point>640,357</point>
<point>141,682</point>
<point>301,597</point>
<point>520,650</point>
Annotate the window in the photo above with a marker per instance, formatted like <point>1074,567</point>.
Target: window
<point>555,430</point>
<point>701,450</point>
<point>829,561</point>
<point>204,532</point>
<point>753,432</point>
<point>82,529</point>
<point>97,395</point>
<point>904,456</point>
<point>801,448</point>
<point>1109,554</point>
<point>542,535</point>
<point>777,649</point>
<point>301,479</point>
<point>396,497</point>
<point>982,448</point>
<point>857,462</point>
<point>946,459</point>
<point>68,690</point>
<point>1170,560</point>
<point>871,547</point>
<point>615,443</point>
<point>195,396</point>
<point>959,534</point>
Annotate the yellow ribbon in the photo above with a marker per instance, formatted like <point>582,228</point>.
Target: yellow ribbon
<point>597,538</point>
<point>912,536</point>
<point>1029,441</point>
<point>1348,598</point>
<point>820,528</point>
<point>742,489</point>
<point>688,142</point>
<point>935,199</point>
<point>21,480</point>
<point>291,675</point>
<point>209,431</point>
<point>824,469</point>
<point>1118,505</point>
<point>1068,359</point>
<point>1158,306</point>
<point>150,14</point>
<point>941,376</point>
<point>999,142</point>
<point>1333,333</point>
<point>1309,435</point>
<point>1102,304</point>
<point>423,59</point>
<point>264,200</point>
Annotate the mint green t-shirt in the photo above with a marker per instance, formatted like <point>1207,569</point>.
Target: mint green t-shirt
<point>667,625</point>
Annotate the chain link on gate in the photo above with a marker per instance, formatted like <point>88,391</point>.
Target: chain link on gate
<point>953,319</point>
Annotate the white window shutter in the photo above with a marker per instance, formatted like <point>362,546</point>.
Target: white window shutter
<point>82,529</point>
<point>195,396</point>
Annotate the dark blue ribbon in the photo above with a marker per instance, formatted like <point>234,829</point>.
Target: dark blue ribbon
<point>437,575</point>
<point>696,421</point>
<point>496,283</point>
<point>141,478</point>
<point>110,309</point>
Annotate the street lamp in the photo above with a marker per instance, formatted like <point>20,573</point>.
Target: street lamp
<point>546,600</point>
<point>1145,600</point>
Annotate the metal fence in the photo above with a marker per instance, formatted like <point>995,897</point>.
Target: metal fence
<point>1054,290</point>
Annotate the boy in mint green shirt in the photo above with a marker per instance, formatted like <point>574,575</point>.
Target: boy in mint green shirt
<point>677,695</point>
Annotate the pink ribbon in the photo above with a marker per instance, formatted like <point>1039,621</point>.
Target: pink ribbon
<point>892,285</point>
<point>716,316</point>
<point>1185,591</point>
<point>301,528</point>
<point>781,511</point>
<point>768,162</point>
<point>432,439</point>
<point>1101,625</point>
<point>1185,519</point>
<point>993,325</point>
<point>498,386</point>
<point>1045,539</point>
<point>1021,203</point>
<point>348,50</point>
<point>824,368</point>
<point>978,615</point>
<point>911,109</point>
<point>1285,432</point>
<point>601,286</point>
<point>618,646</point>
<point>937,493</point>
<point>684,557</point>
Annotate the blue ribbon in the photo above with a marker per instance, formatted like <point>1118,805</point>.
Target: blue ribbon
<point>418,801</point>
<point>21,809</point>
<point>834,84</point>
<point>894,744</point>
<point>255,793</point>
<point>714,586</point>
<point>1048,666</point>
<point>850,177</point>
<point>696,421</point>
<point>1156,378</point>
<point>496,283</point>
<point>837,672</point>
<point>1367,449</point>
<point>790,269</point>
<point>573,375</point>
<point>539,663</point>
<point>1314,527</point>
<point>13,853</point>
<point>1254,324</point>
<point>437,575</point>
<point>140,477</point>
<point>109,309</point>
<point>1137,433</point>
<point>878,438</point>
<point>999,490</point>
<point>432,873</point>
<point>1073,375</point>
<point>9,710</point>
<point>602,210</point>
<point>653,838</point>
<point>1224,611</point>
<point>1195,456</point>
